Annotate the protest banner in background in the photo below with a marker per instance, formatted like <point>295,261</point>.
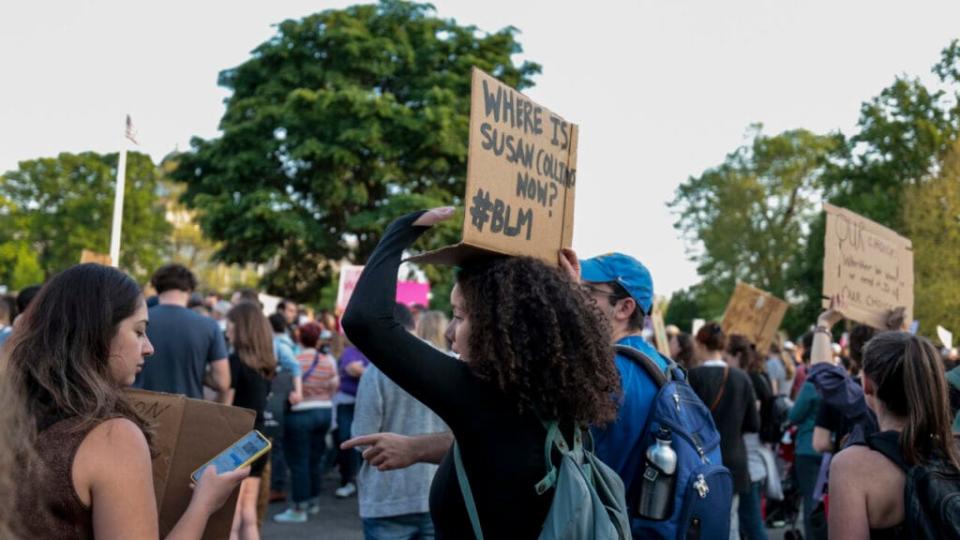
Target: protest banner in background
<point>521,178</point>
<point>754,314</point>
<point>349,275</point>
<point>87,256</point>
<point>869,265</point>
<point>945,336</point>
<point>660,332</point>
<point>410,293</point>
<point>696,325</point>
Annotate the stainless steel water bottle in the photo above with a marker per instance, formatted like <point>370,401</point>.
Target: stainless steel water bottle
<point>659,478</point>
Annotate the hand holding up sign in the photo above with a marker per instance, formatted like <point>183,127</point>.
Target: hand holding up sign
<point>433,216</point>
<point>570,264</point>
<point>833,314</point>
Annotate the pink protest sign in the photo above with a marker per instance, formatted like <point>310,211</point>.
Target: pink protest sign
<point>349,275</point>
<point>413,292</point>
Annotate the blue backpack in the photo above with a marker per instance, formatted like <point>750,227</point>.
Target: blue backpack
<point>704,487</point>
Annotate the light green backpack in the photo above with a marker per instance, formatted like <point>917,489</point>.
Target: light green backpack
<point>588,502</point>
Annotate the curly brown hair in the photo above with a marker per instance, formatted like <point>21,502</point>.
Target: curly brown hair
<point>542,340</point>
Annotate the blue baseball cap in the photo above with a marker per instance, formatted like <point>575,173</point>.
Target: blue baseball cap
<point>630,273</point>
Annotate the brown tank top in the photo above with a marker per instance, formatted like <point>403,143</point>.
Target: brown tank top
<point>47,501</point>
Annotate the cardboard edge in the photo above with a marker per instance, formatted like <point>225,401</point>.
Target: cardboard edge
<point>455,255</point>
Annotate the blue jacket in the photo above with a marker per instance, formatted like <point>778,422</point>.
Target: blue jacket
<point>617,445</point>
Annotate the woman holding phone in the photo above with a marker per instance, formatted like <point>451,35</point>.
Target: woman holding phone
<point>83,455</point>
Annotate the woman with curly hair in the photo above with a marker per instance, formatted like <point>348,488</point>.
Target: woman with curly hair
<point>83,455</point>
<point>535,347</point>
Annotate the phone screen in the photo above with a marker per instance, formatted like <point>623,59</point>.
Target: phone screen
<point>239,453</point>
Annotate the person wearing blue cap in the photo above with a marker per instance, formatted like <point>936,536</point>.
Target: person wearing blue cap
<point>623,290</point>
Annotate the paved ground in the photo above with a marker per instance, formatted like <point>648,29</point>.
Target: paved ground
<point>338,520</point>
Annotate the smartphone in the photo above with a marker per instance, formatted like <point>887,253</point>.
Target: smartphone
<point>240,454</point>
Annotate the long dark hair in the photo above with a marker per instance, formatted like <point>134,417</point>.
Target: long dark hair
<point>909,380</point>
<point>745,352</point>
<point>541,339</point>
<point>253,338</point>
<point>56,363</point>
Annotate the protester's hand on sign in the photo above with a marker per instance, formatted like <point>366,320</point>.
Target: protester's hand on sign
<point>434,216</point>
<point>387,451</point>
<point>570,264</point>
<point>833,314</point>
<point>897,319</point>
<point>214,489</point>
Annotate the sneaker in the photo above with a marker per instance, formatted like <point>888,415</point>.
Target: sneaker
<point>314,508</point>
<point>291,516</point>
<point>348,490</point>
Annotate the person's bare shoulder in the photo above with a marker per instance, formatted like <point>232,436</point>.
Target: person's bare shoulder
<point>863,464</point>
<point>115,448</point>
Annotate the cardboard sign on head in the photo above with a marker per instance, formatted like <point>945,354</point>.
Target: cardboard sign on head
<point>869,265</point>
<point>521,178</point>
<point>754,314</point>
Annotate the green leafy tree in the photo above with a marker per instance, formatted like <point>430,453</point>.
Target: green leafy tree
<point>746,218</point>
<point>931,217</point>
<point>688,304</point>
<point>341,122</point>
<point>63,205</point>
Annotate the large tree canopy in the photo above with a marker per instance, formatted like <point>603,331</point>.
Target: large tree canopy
<point>339,123</point>
<point>57,207</point>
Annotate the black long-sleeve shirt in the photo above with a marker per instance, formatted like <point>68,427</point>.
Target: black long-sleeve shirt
<point>502,450</point>
<point>736,414</point>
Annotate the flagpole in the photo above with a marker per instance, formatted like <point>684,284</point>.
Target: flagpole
<point>118,203</point>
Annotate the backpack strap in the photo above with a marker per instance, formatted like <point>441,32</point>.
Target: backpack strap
<point>467,492</point>
<point>651,367</point>
<point>555,438</point>
<point>723,388</point>
<point>889,445</point>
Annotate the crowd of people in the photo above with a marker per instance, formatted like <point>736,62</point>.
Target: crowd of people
<point>459,426</point>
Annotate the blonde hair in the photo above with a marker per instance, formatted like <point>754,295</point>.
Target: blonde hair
<point>431,328</point>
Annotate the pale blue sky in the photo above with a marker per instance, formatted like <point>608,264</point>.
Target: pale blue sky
<point>661,89</point>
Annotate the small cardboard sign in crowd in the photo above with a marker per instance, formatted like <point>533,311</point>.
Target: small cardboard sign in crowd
<point>754,314</point>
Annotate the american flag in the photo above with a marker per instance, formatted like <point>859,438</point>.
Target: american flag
<point>131,132</point>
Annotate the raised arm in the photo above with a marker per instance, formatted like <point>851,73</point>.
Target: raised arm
<point>437,380</point>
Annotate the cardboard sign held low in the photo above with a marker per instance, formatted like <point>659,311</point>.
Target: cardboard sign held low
<point>521,178</point>
<point>187,434</point>
<point>754,314</point>
<point>869,265</point>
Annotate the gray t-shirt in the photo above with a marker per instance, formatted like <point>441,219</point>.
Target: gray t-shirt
<point>777,372</point>
<point>384,406</point>
<point>184,343</point>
